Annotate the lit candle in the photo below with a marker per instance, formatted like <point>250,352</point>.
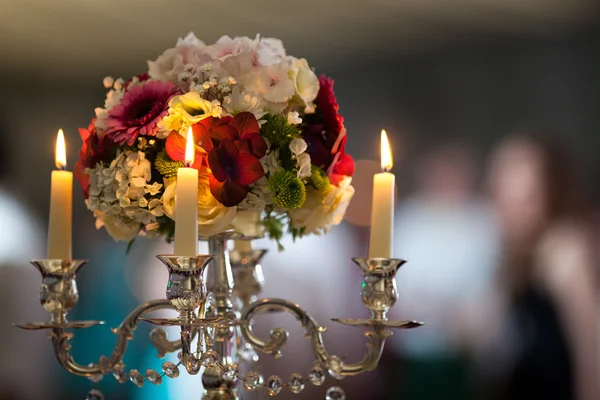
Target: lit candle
<point>186,212</point>
<point>382,212</point>
<point>61,200</point>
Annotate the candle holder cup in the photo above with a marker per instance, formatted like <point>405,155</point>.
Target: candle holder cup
<point>379,293</point>
<point>58,293</point>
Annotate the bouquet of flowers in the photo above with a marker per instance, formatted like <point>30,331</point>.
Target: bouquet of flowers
<point>269,143</point>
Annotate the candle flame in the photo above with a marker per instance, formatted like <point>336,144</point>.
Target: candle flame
<point>386,153</point>
<point>189,148</point>
<point>60,156</point>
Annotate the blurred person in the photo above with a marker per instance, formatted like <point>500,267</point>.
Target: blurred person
<point>445,232</point>
<point>549,272</point>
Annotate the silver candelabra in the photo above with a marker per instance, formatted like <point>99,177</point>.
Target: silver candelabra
<point>216,308</point>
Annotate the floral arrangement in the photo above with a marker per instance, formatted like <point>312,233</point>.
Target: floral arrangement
<point>269,143</point>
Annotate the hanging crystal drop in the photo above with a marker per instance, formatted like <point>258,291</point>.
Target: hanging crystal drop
<point>170,369</point>
<point>136,378</point>
<point>208,359</point>
<point>316,376</point>
<point>95,378</point>
<point>230,373</point>
<point>248,354</point>
<point>335,367</point>
<point>335,393</point>
<point>119,373</point>
<point>94,395</point>
<point>274,385</point>
<point>153,377</point>
<point>296,383</point>
<point>253,381</point>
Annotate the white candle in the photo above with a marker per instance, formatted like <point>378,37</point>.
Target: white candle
<point>186,218</point>
<point>382,212</point>
<point>61,201</point>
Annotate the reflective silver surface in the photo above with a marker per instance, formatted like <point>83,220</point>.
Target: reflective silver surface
<point>59,289</point>
<point>210,310</point>
<point>378,292</point>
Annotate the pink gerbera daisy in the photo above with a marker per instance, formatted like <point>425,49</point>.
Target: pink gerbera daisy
<point>141,108</point>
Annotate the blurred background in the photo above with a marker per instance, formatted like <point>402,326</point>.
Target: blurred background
<point>493,112</point>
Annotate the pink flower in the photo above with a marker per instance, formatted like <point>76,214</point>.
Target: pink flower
<point>172,62</point>
<point>140,109</point>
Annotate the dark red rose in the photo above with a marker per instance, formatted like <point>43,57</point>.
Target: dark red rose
<point>94,149</point>
<point>324,130</point>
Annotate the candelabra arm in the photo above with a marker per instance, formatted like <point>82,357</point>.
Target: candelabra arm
<point>313,332</point>
<point>61,341</point>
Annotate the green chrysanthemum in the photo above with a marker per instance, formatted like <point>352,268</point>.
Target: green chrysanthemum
<point>319,179</point>
<point>288,190</point>
<point>166,166</point>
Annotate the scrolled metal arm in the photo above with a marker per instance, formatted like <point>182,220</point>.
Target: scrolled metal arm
<point>313,332</point>
<point>60,339</point>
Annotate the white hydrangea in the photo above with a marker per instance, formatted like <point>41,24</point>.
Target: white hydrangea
<point>270,162</point>
<point>299,148</point>
<point>118,194</point>
<point>242,101</point>
<point>294,118</point>
<point>258,198</point>
<point>113,97</point>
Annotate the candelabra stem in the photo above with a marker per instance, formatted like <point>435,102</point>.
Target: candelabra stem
<point>220,283</point>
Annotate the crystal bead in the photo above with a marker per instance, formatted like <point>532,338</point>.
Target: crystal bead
<point>335,393</point>
<point>230,373</point>
<point>274,385</point>
<point>94,395</point>
<point>119,373</point>
<point>316,376</point>
<point>95,378</point>
<point>209,359</point>
<point>335,367</point>
<point>253,381</point>
<point>296,383</point>
<point>277,355</point>
<point>170,369</point>
<point>153,377</point>
<point>136,378</point>
<point>248,354</point>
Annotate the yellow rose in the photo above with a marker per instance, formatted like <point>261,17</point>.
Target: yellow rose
<point>186,110</point>
<point>213,217</point>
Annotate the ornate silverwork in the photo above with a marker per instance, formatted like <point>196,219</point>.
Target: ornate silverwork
<point>216,297</point>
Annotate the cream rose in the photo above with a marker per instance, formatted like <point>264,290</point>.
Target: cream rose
<point>305,81</point>
<point>322,211</point>
<point>118,228</point>
<point>213,217</point>
<point>248,223</point>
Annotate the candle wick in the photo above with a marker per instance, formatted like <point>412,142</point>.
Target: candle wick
<point>187,164</point>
